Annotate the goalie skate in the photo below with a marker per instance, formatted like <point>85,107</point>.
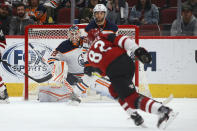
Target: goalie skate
<point>74,100</point>
<point>167,115</point>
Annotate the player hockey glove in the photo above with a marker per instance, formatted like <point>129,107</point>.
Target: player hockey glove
<point>143,55</point>
<point>88,70</point>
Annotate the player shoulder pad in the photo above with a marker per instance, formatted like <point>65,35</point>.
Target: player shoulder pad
<point>111,26</point>
<point>90,26</point>
<point>110,37</point>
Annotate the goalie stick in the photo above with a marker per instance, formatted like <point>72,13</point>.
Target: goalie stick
<point>38,54</point>
<point>46,78</point>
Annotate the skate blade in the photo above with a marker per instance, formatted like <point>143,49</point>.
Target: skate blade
<point>143,125</point>
<point>73,103</point>
<point>172,116</point>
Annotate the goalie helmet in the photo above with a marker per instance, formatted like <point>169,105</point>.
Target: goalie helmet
<point>74,35</point>
<point>99,8</point>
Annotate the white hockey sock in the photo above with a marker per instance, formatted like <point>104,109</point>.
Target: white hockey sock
<point>155,107</point>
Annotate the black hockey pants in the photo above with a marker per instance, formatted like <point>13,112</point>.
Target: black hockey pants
<point>121,72</point>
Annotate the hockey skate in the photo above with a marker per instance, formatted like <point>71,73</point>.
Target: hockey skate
<point>74,100</point>
<point>4,96</point>
<point>166,116</point>
<point>138,120</point>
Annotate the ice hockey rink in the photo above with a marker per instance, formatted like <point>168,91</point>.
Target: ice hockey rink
<point>22,115</point>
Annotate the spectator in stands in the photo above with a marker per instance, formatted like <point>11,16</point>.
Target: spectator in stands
<point>193,4</point>
<point>111,12</point>
<point>188,23</point>
<point>18,23</point>
<point>85,15</point>
<point>37,12</point>
<point>50,6</point>
<point>144,12</point>
<point>92,3</point>
<point>78,3</point>
<point>5,18</point>
<point>117,15</point>
<point>122,10</point>
<point>104,2</point>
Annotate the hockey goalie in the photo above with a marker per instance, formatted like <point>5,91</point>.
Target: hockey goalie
<point>67,63</point>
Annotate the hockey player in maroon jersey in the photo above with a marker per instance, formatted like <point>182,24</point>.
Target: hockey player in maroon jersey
<point>112,57</point>
<point>3,89</point>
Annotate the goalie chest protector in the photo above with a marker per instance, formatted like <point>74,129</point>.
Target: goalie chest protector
<point>74,56</point>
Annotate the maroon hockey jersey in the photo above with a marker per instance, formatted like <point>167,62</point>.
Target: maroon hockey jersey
<point>103,52</point>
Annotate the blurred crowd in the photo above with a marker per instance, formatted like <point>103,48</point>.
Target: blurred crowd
<point>154,17</point>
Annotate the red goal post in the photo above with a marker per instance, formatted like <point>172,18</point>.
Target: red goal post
<point>47,33</point>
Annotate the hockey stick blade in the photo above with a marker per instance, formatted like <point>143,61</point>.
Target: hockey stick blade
<point>167,100</point>
<point>41,80</point>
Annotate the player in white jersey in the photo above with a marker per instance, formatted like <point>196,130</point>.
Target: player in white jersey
<point>71,54</point>
<point>3,89</point>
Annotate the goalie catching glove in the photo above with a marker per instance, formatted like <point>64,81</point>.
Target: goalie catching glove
<point>143,55</point>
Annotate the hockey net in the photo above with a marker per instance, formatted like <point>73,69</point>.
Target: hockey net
<point>46,38</point>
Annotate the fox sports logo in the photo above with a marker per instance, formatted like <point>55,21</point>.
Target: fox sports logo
<point>15,56</point>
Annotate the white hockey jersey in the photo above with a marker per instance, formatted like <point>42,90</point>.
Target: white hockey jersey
<point>72,55</point>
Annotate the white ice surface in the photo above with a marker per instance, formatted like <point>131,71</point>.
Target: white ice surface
<point>33,116</point>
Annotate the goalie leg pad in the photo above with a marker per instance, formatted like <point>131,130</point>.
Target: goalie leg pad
<point>81,89</point>
<point>53,94</point>
<point>101,86</point>
<point>82,86</point>
<point>60,71</point>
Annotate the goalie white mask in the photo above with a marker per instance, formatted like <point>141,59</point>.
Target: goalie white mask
<point>60,71</point>
<point>74,35</point>
<point>99,8</point>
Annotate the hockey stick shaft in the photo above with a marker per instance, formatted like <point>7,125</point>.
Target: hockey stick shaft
<point>46,78</point>
<point>38,53</point>
<point>167,100</point>
<point>98,75</point>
